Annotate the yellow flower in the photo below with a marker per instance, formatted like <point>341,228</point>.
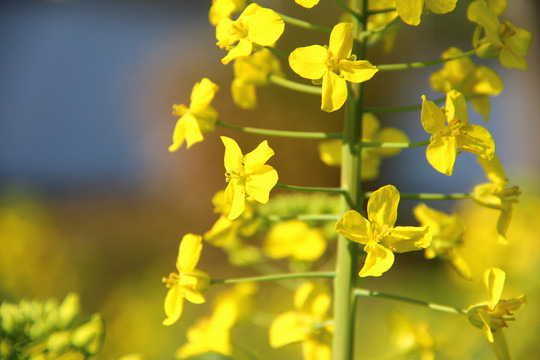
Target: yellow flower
<point>224,9</point>
<point>376,20</point>
<point>307,3</point>
<point>330,150</point>
<point>255,27</point>
<point>307,323</point>
<point>250,72</point>
<point>378,234</point>
<point>412,337</point>
<point>213,334</point>
<point>494,316</point>
<point>457,134</point>
<point>502,40</point>
<point>199,118</point>
<point>188,282</point>
<point>295,239</point>
<point>447,235</point>
<point>334,65</point>
<point>495,195</point>
<point>475,82</point>
<point>410,10</point>
<point>248,176</point>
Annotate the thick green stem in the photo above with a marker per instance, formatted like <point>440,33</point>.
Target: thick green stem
<point>275,277</point>
<point>347,251</point>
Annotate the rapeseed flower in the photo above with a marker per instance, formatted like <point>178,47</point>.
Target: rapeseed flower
<point>189,282</point>
<point>256,27</point>
<point>248,176</point>
<point>474,82</point>
<point>414,339</point>
<point>224,9</point>
<point>378,234</point>
<point>493,317</point>
<point>333,65</point>
<point>199,118</point>
<point>295,239</point>
<point>411,10</point>
<point>451,132</point>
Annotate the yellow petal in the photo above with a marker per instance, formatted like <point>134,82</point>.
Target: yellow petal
<point>390,134</point>
<point>256,158</point>
<point>235,195</point>
<point>194,297</point>
<point>479,12</point>
<point>494,279</point>
<point>244,94</point>
<point>357,71</point>
<point>410,10</point>
<point>243,48</point>
<point>265,27</point>
<point>174,304</point>
<point>476,140</point>
<point>494,170</point>
<point>225,33</point>
<point>330,152</point>
<point>341,40</point>
<point>379,259</point>
<point>189,252</point>
<point>408,238</point>
<point>441,154</point>
<point>486,81</point>
<point>440,6</point>
<point>187,129</point>
<point>287,328</point>
<point>334,92</point>
<point>482,105</point>
<point>309,61</point>
<point>260,183</point>
<point>307,3</point>
<point>370,126</point>
<point>456,107</point>
<point>432,117</point>
<point>313,298</point>
<point>233,155</point>
<point>354,227</point>
<point>382,207</point>
<point>202,94</point>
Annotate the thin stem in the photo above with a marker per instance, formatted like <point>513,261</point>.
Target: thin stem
<point>289,84</point>
<point>275,277</point>
<point>381,11</point>
<point>305,217</point>
<point>426,196</point>
<point>281,133</point>
<point>400,109</point>
<point>365,34</point>
<point>278,52</point>
<point>417,65</point>
<point>316,189</point>
<point>434,306</point>
<point>390,145</point>
<point>349,10</point>
<point>303,24</point>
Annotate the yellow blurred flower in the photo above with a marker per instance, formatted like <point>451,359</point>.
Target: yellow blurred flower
<point>333,65</point>
<point>248,176</point>
<point>224,9</point>
<point>294,239</point>
<point>412,338</point>
<point>411,10</point>
<point>376,20</point>
<point>447,235</point>
<point>255,27</point>
<point>503,40</point>
<point>308,323</point>
<point>188,282</point>
<point>250,72</point>
<point>199,118</point>
<point>451,131</point>
<point>474,82</point>
<point>330,150</point>
<point>494,316</point>
<point>378,234</point>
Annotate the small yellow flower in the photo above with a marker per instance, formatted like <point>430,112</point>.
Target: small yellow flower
<point>189,282</point>
<point>496,195</point>
<point>446,139</point>
<point>199,118</point>
<point>307,3</point>
<point>250,72</point>
<point>411,10</point>
<point>412,338</point>
<point>476,82</point>
<point>308,323</point>
<point>447,235</point>
<point>378,234</point>
<point>330,150</point>
<point>502,40</point>
<point>294,239</point>
<point>334,64</point>
<point>493,317</point>
<point>248,176</point>
<point>255,27</point>
<point>224,9</point>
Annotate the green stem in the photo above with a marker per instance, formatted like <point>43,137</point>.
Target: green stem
<point>305,217</point>
<point>317,189</point>
<point>276,277</point>
<point>278,52</point>
<point>426,196</point>
<point>390,145</point>
<point>281,133</point>
<point>401,108</point>
<point>417,65</point>
<point>365,34</point>
<point>347,251</point>
<point>356,15</point>
<point>434,306</point>
<point>381,11</point>
<point>303,24</point>
<point>293,85</point>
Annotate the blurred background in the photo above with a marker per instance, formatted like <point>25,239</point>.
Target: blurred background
<point>91,200</point>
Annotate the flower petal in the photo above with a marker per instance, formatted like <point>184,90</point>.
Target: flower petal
<point>256,158</point>
<point>288,328</point>
<point>382,207</point>
<point>235,195</point>
<point>476,140</point>
<point>408,238</point>
<point>189,252</point>
<point>202,94</point>
<point>174,304</point>
<point>441,154</point>
<point>494,279</point>
<point>410,10</point>
<point>354,227</point>
<point>233,154</point>
<point>265,27</point>
<point>379,259</point>
<point>243,48</point>
<point>432,117</point>
<point>334,92</point>
<point>187,129</point>
<point>357,71</point>
<point>260,183</point>
<point>341,40</point>
<point>309,61</point>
